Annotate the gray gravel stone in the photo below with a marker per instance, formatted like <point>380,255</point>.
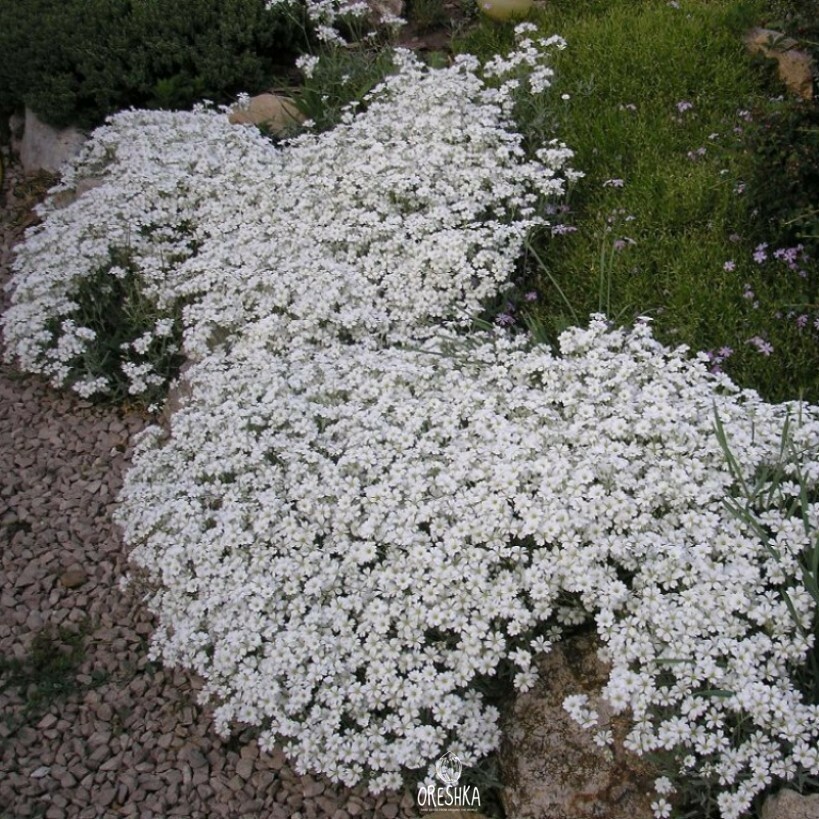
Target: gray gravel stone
<point>73,578</point>
<point>244,767</point>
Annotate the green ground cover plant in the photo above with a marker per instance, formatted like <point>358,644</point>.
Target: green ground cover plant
<point>784,186</point>
<point>661,105</point>
<point>785,142</point>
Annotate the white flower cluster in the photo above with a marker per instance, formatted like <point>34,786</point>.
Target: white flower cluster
<point>327,16</point>
<point>526,61</point>
<point>341,538</point>
<point>147,182</point>
<point>408,213</point>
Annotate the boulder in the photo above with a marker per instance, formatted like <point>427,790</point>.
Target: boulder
<point>503,11</point>
<point>272,112</point>
<point>386,9</point>
<point>378,10</point>
<point>45,148</point>
<point>795,67</point>
<point>550,766</point>
<point>788,804</point>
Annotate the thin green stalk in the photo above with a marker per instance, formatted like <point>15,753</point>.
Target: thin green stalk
<point>552,279</point>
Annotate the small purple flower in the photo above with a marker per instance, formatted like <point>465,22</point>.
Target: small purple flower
<point>802,321</point>
<point>613,183</point>
<point>562,230</point>
<point>717,358</point>
<point>530,296</point>
<point>621,244</point>
<point>761,253</point>
<point>747,293</point>
<point>789,255</point>
<point>764,347</point>
<point>684,105</point>
<point>504,319</point>
<point>698,154</point>
<point>729,266</point>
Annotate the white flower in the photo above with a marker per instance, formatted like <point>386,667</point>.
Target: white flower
<point>307,63</point>
<point>661,808</point>
<point>317,567</point>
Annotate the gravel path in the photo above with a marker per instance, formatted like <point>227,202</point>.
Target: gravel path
<point>88,726</point>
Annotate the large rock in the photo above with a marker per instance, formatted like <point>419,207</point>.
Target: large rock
<point>269,111</point>
<point>551,767</point>
<point>45,148</point>
<point>789,804</point>
<point>502,11</point>
<point>795,67</point>
<point>378,10</point>
<point>386,9</point>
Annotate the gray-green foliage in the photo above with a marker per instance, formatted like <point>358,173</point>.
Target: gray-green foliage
<point>787,483</point>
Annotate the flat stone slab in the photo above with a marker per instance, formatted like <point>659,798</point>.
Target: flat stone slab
<point>551,767</point>
<point>788,804</point>
<point>45,148</point>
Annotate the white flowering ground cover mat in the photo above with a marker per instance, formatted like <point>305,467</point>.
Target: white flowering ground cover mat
<point>361,510</point>
<point>412,212</point>
<point>343,538</point>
